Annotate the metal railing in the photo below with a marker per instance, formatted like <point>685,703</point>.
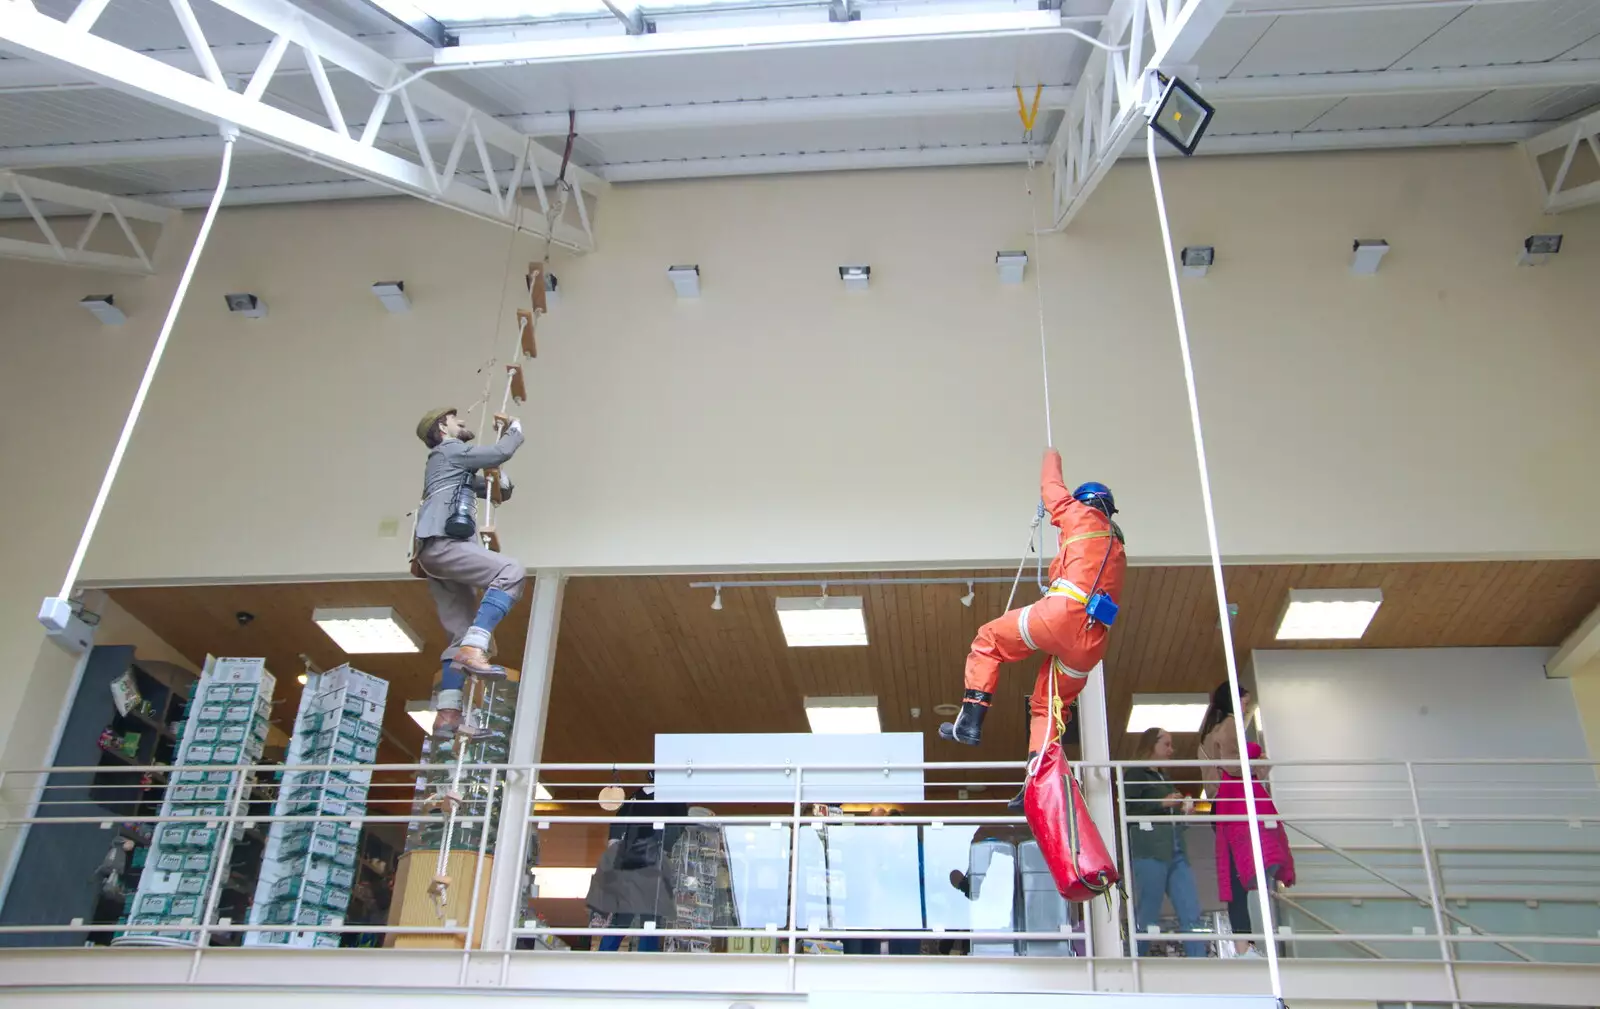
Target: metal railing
<point>1443,862</point>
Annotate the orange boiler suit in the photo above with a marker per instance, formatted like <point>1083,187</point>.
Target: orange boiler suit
<point>1056,624</point>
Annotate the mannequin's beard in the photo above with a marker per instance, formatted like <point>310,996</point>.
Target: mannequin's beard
<point>465,435</point>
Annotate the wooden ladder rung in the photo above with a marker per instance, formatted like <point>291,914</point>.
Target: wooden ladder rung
<point>491,479</point>
<point>490,538</point>
<point>536,287</point>
<point>525,326</point>
<point>519,391</point>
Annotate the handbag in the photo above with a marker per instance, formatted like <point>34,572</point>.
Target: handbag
<point>1080,863</point>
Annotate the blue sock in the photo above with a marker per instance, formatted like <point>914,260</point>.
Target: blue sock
<point>496,604</point>
<point>451,678</point>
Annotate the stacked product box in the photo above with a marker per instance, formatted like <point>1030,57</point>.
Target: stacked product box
<point>226,726</point>
<point>310,864</point>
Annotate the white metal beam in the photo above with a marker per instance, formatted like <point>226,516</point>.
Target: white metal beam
<point>1106,109</point>
<point>1575,179</point>
<point>98,206</point>
<point>39,37</point>
<point>1580,650</point>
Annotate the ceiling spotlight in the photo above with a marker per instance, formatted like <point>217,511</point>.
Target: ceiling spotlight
<point>1367,253</point>
<point>855,278</point>
<point>1179,115</point>
<point>967,599</point>
<point>1012,265</point>
<point>716,601</point>
<point>392,293</point>
<point>685,280</point>
<point>301,679</point>
<point>247,305</point>
<point>110,314</point>
<point>1535,250</point>
<point>1197,259</point>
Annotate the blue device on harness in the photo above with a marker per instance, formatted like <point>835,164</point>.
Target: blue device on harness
<point>1101,609</point>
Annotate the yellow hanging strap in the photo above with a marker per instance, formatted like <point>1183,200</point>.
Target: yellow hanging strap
<point>1029,114</point>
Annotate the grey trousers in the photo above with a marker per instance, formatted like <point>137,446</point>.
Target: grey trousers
<point>458,572</point>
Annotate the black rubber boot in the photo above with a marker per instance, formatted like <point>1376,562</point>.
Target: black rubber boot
<point>960,881</point>
<point>967,729</point>
<point>1016,804</point>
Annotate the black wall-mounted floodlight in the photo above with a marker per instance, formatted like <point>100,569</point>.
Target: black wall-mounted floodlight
<point>1181,115</point>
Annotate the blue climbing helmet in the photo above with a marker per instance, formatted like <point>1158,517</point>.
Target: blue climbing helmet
<point>1097,496</point>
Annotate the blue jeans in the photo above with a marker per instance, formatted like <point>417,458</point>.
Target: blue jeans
<point>1155,879</point>
<point>641,944</point>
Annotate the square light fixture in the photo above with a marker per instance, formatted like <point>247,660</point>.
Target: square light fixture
<point>1012,266</point>
<point>685,280</point>
<point>1197,259</point>
<point>1366,254</point>
<point>1180,115</point>
<point>820,621</point>
<point>422,713</point>
<point>1328,614</point>
<point>392,295</point>
<point>838,716</point>
<point>367,630</point>
<point>104,308</point>
<point>856,278</point>
<point>1538,248</point>
<point>1173,712</point>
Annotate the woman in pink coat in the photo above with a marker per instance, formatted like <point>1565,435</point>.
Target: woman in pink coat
<point>1236,874</point>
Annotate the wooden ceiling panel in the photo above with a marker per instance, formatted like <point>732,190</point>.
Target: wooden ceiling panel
<point>642,655</point>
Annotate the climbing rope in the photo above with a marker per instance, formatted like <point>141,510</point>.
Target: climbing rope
<point>229,136</point>
<point>1216,565</point>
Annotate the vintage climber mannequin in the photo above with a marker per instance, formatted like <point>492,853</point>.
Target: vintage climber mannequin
<point>456,565</point>
<point>1090,562</point>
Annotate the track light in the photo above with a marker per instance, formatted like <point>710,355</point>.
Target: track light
<point>1012,265</point>
<point>1366,254</point>
<point>967,599</point>
<point>685,280</point>
<point>716,601</point>
<point>1197,259</point>
<point>103,309</point>
<point>1536,249</point>
<point>247,305</point>
<point>392,293</point>
<point>856,278</point>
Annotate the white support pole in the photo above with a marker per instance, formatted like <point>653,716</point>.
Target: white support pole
<point>1101,916</point>
<point>526,745</point>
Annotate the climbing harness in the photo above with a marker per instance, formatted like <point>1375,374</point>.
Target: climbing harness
<point>1169,251</point>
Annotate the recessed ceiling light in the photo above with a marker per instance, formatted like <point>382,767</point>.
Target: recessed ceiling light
<point>843,715</point>
<point>422,713</point>
<point>1328,614</point>
<point>367,630</point>
<point>820,621</point>
<point>1173,712</point>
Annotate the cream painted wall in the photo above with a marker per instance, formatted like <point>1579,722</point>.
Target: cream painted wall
<point>1586,694</point>
<point>779,421</point>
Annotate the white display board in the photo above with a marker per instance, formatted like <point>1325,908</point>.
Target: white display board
<point>1040,1000</point>
<point>838,768</point>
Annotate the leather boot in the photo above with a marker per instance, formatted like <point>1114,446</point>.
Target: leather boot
<point>1016,805</point>
<point>448,724</point>
<point>967,729</point>
<point>474,661</point>
<point>962,882</point>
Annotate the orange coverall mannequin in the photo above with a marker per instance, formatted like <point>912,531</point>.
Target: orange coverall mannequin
<point>1091,544</point>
